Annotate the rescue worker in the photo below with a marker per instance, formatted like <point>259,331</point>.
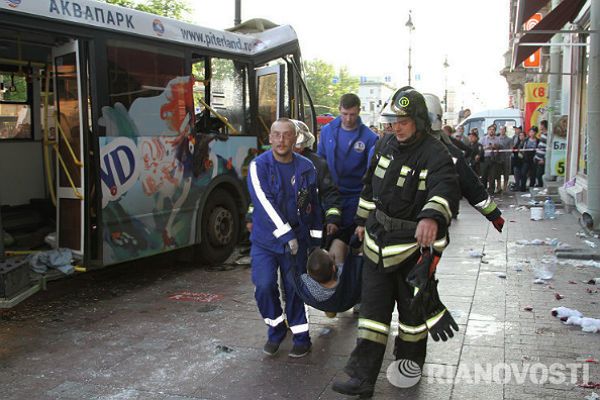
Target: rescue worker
<point>405,208</point>
<point>329,196</point>
<point>345,144</point>
<point>470,185</point>
<point>286,222</point>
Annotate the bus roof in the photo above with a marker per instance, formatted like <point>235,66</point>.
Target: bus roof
<point>111,17</point>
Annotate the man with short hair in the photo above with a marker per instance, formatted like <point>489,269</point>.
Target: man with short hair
<point>506,144</point>
<point>346,143</point>
<point>539,159</point>
<point>286,222</point>
<point>491,161</point>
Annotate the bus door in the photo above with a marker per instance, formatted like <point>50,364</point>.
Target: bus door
<point>270,82</point>
<point>70,155</point>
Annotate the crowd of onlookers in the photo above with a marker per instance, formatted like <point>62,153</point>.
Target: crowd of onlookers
<point>496,155</point>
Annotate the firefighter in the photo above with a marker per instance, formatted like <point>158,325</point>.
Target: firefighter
<point>470,185</point>
<point>328,192</point>
<point>404,211</point>
<point>286,223</point>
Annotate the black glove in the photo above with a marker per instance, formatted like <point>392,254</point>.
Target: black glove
<point>438,319</point>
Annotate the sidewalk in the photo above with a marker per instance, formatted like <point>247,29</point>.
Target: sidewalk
<point>155,330</point>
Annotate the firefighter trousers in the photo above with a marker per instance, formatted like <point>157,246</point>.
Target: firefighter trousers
<point>380,292</point>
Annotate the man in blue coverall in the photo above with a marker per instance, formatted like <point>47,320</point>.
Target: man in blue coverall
<point>286,222</point>
<point>346,143</point>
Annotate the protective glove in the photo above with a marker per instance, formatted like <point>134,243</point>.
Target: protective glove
<point>423,271</point>
<point>293,246</point>
<point>498,223</point>
<point>438,319</point>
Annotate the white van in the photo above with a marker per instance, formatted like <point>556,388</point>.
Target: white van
<point>509,117</point>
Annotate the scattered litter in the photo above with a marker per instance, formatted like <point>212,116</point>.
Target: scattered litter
<point>590,385</point>
<point>592,396</point>
<point>558,296</point>
<point>554,242</point>
<point>518,268</point>
<point>574,317</point>
<point>591,291</point>
<point>580,234</point>
<point>484,262</point>
<point>223,349</point>
<point>476,253</point>
<point>591,244</point>
<point>246,260</point>
<point>501,275</point>
<point>591,360</point>
<point>558,212</point>
<point>544,271</point>
<point>539,281</point>
<point>511,220</point>
<point>324,331</point>
<point>565,312</point>
<point>577,263</point>
<point>528,308</point>
<point>527,195</point>
<point>59,259</point>
<point>550,287</point>
<point>593,281</point>
<point>521,208</point>
<point>573,282</point>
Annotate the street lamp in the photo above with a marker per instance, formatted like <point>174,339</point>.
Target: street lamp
<point>446,65</point>
<point>411,27</point>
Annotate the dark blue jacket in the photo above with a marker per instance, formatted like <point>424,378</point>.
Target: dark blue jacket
<point>270,229</point>
<point>347,173</point>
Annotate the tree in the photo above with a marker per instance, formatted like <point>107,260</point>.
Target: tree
<point>177,9</point>
<point>326,86</point>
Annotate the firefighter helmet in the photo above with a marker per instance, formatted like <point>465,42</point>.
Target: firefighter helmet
<point>305,137</point>
<point>406,102</point>
<point>434,109</point>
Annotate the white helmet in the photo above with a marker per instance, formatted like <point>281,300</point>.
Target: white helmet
<point>305,137</point>
<point>434,109</point>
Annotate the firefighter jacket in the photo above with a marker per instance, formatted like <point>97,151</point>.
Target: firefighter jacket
<point>270,228</point>
<point>328,191</point>
<point>470,185</point>
<point>404,184</point>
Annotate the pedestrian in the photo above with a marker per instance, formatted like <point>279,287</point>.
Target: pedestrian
<point>410,189</point>
<point>528,166</point>
<point>505,144</point>
<point>459,134</point>
<point>345,144</point>
<point>539,160</point>
<point>517,162</point>
<point>376,131</point>
<point>286,222</point>
<point>476,156</point>
<point>491,161</point>
<point>447,129</point>
<point>470,185</point>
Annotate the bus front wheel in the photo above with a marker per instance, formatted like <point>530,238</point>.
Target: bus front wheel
<point>220,228</point>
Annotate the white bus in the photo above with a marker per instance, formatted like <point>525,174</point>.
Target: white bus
<point>129,134</point>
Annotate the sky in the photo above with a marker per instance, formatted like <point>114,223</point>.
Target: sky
<point>371,39</point>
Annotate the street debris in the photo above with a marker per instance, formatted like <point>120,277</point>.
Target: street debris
<point>526,195</point>
<point>590,243</point>
<point>501,275</point>
<point>574,317</point>
<point>591,291</point>
<point>558,296</point>
<point>593,396</point>
<point>539,281</point>
<point>593,281</point>
<point>573,282</point>
<point>476,253</point>
<point>518,268</point>
<point>528,308</point>
<point>324,331</point>
<point>554,242</point>
<point>590,385</point>
<point>544,270</point>
<point>223,349</point>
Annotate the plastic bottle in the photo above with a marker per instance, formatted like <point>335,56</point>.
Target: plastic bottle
<point>549,209</point>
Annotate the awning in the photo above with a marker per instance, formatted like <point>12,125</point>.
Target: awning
<point>525,9</point>
<point>566,11</point>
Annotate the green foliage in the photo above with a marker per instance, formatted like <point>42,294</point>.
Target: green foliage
<point>326,94</point>
<point>177,9</point>
<point>18,92</point>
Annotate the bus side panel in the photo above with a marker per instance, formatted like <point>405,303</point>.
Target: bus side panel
<point>154,171</point>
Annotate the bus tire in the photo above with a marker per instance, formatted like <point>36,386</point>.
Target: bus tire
<point>220,228</point>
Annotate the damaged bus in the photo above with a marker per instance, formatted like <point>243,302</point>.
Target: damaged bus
<point>125,134</point>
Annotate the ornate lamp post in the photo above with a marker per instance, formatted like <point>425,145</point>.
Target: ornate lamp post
<point>411,27</point>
